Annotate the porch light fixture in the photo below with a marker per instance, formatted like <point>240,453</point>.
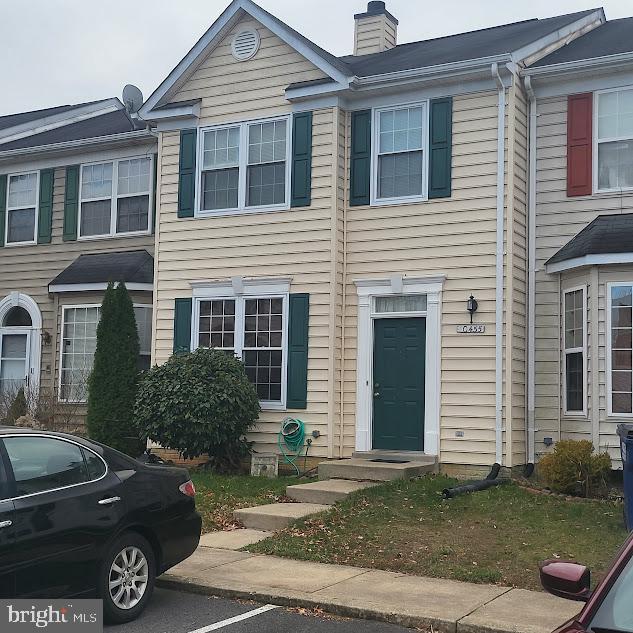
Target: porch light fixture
<point>471,306</point>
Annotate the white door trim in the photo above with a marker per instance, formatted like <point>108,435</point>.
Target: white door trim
<point>35,332</point>
<point>367,290</point>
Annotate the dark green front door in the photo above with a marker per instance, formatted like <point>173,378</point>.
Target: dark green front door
<point>399,353</point>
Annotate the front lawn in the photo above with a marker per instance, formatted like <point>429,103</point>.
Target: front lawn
<point>495,536</point>
<point>218,495</point>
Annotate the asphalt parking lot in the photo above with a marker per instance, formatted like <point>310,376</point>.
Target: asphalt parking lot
<point>176,612</point>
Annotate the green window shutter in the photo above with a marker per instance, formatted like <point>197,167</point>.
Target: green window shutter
<point>301,179</point>
<point>45,212</point>
<point>71,203</point>
<point>182,326</point>
<point>440,147</point>
<point>360,159</point>
<point>154,201</point>
<point>187,173</point>
<point>3,207</point>
<point>297,392</point>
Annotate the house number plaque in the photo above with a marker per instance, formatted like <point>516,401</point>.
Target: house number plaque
<point>471,328</point>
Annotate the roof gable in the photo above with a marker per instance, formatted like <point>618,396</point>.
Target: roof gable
<point>324,61</point>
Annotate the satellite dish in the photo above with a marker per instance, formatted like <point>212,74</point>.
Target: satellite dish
<point>132,98</point>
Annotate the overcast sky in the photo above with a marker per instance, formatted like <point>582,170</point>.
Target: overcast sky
<point>67,51</point>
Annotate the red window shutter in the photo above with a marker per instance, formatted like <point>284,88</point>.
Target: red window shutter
<point>579,144</point>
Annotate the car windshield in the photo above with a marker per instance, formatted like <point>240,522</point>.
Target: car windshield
<point>615,614</point>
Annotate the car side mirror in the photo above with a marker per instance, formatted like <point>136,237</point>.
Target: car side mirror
<point>566,580</point>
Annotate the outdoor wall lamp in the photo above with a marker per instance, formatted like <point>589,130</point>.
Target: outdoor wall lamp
<point>471,306</point>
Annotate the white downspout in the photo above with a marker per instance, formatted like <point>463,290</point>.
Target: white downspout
<point>501,116</point>
<point>531,334</point>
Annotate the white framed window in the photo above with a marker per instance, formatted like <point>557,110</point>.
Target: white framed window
<point>619,349</point>
<point>79,342</point>
<point>613,139</point>
<point>115,197</point>
<point>399,154</point>
<point>244,167</point>
<point>254,328</point>
<point>22,202</point>
<point>575,351</point>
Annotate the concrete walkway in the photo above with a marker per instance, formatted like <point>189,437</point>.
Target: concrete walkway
<point>411,601</point>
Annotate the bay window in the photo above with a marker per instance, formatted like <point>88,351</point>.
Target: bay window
<point>115,197</point>
<point>575,350</point>
<point>619,349</point>
<point>244,167</point>
<point>615,139</point>
<point>79,343</point>
<point>400,153</point>
<point>22,195</point>
<point>253,328</point>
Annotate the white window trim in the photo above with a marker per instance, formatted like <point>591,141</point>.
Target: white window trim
<point>574,350</point>
<point>61,349</point>
<point>61,341</point>
<point>114,198</point>
<point>367,290</point>
<point>375,201</point>
<point>610,412</point>
<point>8,209</point>
<point>596,142</point>
<point>240,291</point>
<point>242,208</point>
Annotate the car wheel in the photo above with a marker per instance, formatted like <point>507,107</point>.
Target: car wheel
<point>127,578</point>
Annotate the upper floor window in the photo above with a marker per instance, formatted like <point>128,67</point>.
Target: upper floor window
<point>22,193</point>
<point>115,197</point>
<point>615,139</point>
<point>399,148</point>
<point>244,167</point>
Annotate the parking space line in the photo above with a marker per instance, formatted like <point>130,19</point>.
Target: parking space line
<point>237,618</point>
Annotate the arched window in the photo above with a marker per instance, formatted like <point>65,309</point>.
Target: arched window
<point>17,317</point>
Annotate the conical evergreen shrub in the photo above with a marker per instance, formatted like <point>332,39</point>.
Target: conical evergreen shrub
<point>114,379</point>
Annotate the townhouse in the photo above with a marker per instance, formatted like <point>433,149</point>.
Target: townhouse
<point>581,261</point>
<point>76,211</point>
<point>416,249</point>
<point>355,229</point>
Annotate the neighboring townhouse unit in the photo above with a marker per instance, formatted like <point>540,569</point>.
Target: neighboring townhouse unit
<point>581,177</point>
<point>76,210</point>
<point>328,219</point>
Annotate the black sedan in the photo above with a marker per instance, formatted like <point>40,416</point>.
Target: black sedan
<point>79,519</point>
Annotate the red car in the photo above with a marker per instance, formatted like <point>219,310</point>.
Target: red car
<point>609,608</point>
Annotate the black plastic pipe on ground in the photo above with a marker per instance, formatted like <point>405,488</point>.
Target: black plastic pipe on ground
<point>490,481</point>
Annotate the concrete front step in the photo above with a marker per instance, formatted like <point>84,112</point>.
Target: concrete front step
<point>367,470</point>
<point>406,456</point>
<point>326,492</point>
<point>233,539</point>
<point>276,516</point>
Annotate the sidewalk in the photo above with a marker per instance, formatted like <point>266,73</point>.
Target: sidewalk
<point>412,601</point>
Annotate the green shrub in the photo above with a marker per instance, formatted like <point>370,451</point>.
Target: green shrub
<point>197,403</point>
<point>114,378</point>
<point>574,468</point>
<point>18,408</point>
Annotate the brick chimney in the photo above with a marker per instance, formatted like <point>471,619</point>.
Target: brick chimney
<point>376,30</point>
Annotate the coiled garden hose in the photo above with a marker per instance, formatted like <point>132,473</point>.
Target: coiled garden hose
<point>291,440</point>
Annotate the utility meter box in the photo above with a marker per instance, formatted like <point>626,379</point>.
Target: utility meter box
<point>264,465</point>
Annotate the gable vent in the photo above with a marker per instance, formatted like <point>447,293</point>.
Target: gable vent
<point>245,44</point>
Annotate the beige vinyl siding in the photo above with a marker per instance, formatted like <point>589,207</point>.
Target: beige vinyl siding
<point>238,91</point>
<point>373,34</point>
<point>558,220</point>
<point>29,269</point>
<point>296,243</point>
<point>517,277</point>
<point>455,237</point>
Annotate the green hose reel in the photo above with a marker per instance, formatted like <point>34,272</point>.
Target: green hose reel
<point>291,440</point>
